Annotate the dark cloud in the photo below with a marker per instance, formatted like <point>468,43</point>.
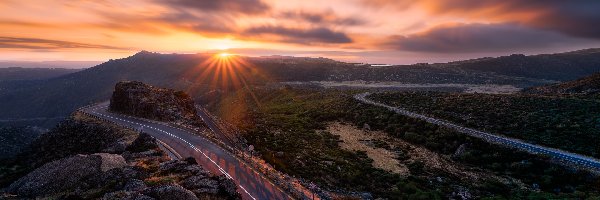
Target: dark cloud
<point>302,36</point>
<point>44,44</point>
<point>470,38</point>
<point>574,17</point>
<point>224,6</point>
<point>205,24</point>
<point>328,17</point>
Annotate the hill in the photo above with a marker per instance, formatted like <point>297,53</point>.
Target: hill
<point>586,85</point>
<point>198,74</point>
<point>560,66</point>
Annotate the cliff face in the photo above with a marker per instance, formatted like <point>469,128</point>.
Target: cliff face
<point>146,101</point>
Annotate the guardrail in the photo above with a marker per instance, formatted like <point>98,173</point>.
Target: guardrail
<point>294,187</point>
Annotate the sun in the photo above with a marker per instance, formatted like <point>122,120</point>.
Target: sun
<point>224,55</point>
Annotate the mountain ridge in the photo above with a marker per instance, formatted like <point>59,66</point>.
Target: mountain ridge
<point>191,73</point>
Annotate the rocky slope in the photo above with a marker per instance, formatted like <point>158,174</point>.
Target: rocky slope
<point>146,101</point>
<point>90,159</point>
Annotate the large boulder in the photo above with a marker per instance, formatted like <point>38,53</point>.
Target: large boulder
<point>146,101</point>
<point>171,192</point>
<point>63,174</point>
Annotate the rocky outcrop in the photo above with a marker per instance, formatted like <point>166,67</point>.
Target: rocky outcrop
<point>146,101</point>
<point>64,174</point>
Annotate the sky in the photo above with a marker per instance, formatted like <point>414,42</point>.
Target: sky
<point>371,31</point>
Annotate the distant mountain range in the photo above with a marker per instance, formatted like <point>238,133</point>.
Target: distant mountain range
<point>49,64</point>
<point>193,73</point>
<point>19,73</point>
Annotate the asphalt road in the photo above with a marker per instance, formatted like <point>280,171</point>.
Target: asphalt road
<point>577,159</point>
<point>212,157</point>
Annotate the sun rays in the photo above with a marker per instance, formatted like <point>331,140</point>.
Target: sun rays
<point>225,73</point>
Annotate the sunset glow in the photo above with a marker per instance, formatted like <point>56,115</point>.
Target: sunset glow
<point>378,31</point>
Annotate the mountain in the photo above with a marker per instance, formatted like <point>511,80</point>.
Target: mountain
<point>586,85</point>
<point>19,73</point>
<point>197,74</point>
<point>560,66</point>
<point>49,64</point>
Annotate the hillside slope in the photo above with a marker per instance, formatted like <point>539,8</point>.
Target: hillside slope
<point>586,85</point>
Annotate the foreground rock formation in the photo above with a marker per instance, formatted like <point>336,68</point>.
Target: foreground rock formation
<point>64,173</point>
<point>85,158</point>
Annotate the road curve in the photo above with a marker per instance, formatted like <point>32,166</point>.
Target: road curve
<point>576,159</point>
<point>212,157</point>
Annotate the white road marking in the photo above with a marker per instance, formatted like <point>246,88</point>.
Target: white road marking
<point>192,146</point>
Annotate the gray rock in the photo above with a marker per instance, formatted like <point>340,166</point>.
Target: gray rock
<point>134,185</point>
<point>171,192</point>
<point>64,174</point>
<point>228,187</point>
<point>200,184</point>
<point>126,195</point>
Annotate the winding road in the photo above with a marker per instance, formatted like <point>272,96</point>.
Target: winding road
<point>251,184</point>
<point>576,159</point>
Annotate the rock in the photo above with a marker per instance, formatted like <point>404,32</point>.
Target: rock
<point>63,174</point>
<point>228,188</point>
<point>185,166</point>
<point>125,195</point>
<point>118,178</point>
<point>459,151</point>
<point>366,127</point>
<point>173,166</point>
<point>116,148</point>
<point>110,161</point>
<point>142,100</point>
<point>134,185</point>
<point>279,154</point>
<point>201,184</point>
<point>171,192</point>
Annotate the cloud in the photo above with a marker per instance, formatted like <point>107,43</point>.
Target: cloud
<point>471,38</point>
<point>577,17</point>
<point>44,44</point>
<point>328,17</point>
<point>301,36</point>
<point>225,6</point>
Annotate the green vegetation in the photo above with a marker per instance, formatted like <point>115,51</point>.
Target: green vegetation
<point>572,124</point>
<point>287,131</point>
